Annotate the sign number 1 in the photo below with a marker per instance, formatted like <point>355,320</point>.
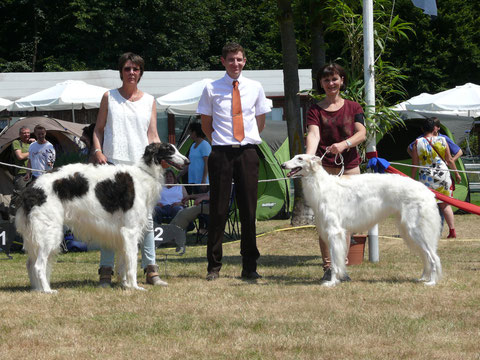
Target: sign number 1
<point>3,237</point>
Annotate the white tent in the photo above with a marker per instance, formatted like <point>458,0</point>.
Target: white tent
<point>4,103</point>
<point>184,101</point>
<point>70,94</point>
<point>462,100</point>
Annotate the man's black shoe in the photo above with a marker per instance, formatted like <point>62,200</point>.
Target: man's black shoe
<point>212,275</point>
<point>251,275</point>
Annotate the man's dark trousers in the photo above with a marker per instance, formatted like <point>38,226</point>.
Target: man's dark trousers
<point>240,164</point>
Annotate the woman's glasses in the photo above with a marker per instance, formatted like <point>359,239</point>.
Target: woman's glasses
<point>130,68</point>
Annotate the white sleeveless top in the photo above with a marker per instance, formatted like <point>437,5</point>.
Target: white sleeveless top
<point>125,135</point>
<point>171,195</point>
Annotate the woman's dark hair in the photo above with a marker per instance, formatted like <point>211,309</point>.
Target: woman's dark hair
<point>329,70</point>
<point>173,174</point>
<point>88,132</point>
<point>197,128</point>
<point>136,59</point>
<point>428,125</point>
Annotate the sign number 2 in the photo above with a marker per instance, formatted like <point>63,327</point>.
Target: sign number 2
<point>158,233</point>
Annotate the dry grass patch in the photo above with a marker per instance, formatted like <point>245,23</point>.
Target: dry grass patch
<point>382,314</point>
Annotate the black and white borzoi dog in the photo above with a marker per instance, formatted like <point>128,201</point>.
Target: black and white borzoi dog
<point>356,203</point>
<point>106,204</point>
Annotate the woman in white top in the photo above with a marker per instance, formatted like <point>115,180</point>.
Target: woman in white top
<point>126,124</point>
<point>171,198</point>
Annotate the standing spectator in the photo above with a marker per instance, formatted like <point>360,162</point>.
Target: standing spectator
<point>233,112</point>
<point>41,154</point>
<point>335,126</point>
<point>126,124</point>
<point>455,150</point>
<point>20,149</point>
<point>433,154</point>
<point>198,156</point>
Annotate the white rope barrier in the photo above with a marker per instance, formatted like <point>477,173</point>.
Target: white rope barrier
<point>264,180</point>
<point>418,166</point>
<point>22,167</point>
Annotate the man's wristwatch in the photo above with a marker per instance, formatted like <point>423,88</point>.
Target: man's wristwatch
<point>349,144</point>
<point>97,150</point>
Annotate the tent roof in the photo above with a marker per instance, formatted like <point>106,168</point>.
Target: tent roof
<point>11,133</point>
<point>156,83</point>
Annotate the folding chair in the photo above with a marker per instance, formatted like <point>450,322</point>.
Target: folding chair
<point>232,227</point>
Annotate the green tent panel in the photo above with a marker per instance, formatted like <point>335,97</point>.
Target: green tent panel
<point>273,196</point>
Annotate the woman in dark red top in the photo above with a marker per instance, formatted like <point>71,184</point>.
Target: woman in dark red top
<point>336,125</point>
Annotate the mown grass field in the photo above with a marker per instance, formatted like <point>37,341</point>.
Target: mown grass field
<point>382,314</point>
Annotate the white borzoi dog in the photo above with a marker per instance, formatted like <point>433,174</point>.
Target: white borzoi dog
<point>356,203</point>
<point>105,204</point>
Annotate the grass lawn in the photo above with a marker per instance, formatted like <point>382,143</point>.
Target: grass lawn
<point>382,314</point>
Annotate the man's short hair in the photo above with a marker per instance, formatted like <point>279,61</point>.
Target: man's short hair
<point>232,48</point>
<point>39,127</point>
<point>23,128</point>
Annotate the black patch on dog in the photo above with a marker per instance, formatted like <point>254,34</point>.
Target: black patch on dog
<point>75,185</point>
<point>156,152</point>
<point>116,194</point>
<point>31,197</point>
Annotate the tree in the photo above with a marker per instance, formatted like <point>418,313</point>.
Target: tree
<point>292,102</point>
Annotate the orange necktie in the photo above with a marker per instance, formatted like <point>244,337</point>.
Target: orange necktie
<point>237,116</point>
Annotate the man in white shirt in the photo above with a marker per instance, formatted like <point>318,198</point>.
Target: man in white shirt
<point>233,112</point>
<point>42,154</point>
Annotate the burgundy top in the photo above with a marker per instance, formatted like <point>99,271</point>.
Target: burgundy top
<point>336,126</point>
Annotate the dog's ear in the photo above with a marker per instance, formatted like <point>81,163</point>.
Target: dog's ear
<point>316,162</point>
<point>156,152</point>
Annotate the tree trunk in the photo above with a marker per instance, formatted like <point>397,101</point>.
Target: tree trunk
<point>301,213</point>
<point>318,41</point>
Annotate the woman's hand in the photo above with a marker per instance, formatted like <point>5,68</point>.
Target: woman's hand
<point>100,158</point>
<point>338,148</point>
<point>458,177</point>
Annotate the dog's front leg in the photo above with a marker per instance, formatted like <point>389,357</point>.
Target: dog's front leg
<point>129,276</point>
<point>337,248</point>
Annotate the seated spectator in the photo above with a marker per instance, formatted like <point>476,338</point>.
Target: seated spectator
<point>186,216</point>
<point>170,201</point>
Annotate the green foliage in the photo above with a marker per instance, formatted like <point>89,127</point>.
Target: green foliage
<point>348,24</point>
<point>445,51</point>
<point>171,35</point>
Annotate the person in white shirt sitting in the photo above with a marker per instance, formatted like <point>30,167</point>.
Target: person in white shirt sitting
<point>170,200</point>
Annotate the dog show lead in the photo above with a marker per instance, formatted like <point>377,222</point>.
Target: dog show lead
<point>336,125</point>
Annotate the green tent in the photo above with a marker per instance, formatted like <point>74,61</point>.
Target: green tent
<point>273,196</point>
<point>393,148</point>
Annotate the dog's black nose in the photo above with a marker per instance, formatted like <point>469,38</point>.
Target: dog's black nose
<point>283,166</point>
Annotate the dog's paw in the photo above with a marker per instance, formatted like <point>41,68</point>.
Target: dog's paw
<point>330,283</point>
<point>430,283</point>
<point>50,291</point>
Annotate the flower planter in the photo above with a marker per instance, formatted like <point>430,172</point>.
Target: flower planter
<point>357,249</point>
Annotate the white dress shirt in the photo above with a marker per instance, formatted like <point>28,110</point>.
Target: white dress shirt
<point>216,101</point>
